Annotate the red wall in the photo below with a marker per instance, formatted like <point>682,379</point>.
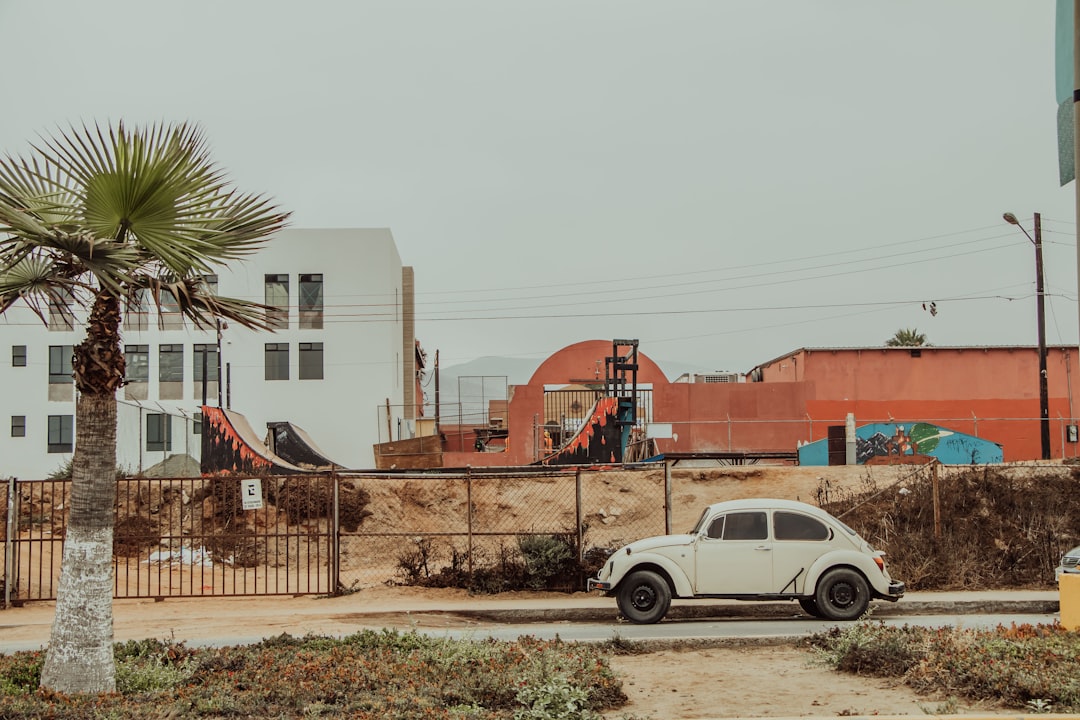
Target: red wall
<point>992,393</point>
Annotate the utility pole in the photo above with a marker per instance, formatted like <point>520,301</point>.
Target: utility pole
<point>1040,311</point>
<point>1040,314</point>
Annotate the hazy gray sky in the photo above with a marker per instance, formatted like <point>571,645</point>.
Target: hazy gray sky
<point>725,181</point>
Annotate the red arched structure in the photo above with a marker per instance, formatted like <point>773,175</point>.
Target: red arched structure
<point>583,363</point>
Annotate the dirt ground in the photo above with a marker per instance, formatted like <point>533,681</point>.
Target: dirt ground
<point>757,681</point>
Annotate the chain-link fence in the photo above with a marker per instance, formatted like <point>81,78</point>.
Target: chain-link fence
<point>466,526</point>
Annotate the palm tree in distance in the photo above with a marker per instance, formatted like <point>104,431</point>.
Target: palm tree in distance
<point>107,218</point>
<point>907,337</point>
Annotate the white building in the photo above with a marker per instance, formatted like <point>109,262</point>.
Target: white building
<point>340,365</point>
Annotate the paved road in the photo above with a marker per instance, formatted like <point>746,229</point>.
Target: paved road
<point>735,629</point>
<point>578,616</point>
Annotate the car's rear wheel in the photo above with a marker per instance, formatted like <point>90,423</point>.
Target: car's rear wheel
<point>842,594</point>
<point>644,597</point>
<point>809,606</point>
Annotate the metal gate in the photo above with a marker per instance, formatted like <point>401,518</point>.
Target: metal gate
<point>183,537</point>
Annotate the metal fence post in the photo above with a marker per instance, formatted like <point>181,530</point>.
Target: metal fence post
<point>667,496</point>
<point>468,498</point>
<point>335,540</point>
<point>577,506</point>
<point>9,544</point>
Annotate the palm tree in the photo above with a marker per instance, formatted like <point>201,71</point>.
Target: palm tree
<point>103,217</point>
<point>907,337</point>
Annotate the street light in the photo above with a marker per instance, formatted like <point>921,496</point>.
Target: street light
<point>1040,298</point>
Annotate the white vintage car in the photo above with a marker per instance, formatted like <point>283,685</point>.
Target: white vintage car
<point>760,549</point>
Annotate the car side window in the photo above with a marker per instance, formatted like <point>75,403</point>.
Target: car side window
<point>716,528</point>
<point>746,526</point>
<point>794,526</point>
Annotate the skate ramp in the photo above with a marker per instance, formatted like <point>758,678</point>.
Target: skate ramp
<point>231,447</point>
<point>290,443</point>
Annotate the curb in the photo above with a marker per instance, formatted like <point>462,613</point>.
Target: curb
<point>751,609</point>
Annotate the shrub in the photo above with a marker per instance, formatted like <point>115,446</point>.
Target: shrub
<point>1020,665</point>
<point>555,699</point>
<point>547,557</point>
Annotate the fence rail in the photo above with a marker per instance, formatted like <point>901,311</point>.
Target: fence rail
<point>318,534</point>
<point>321,534</point>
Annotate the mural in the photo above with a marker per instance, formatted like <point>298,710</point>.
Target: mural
<point>884,440</point>
<point>600,439</point>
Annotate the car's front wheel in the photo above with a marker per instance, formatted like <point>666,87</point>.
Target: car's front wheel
<point>644,597</point>
<point>842,594</point>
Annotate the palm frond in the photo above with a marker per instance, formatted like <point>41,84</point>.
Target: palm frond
<point>192,298</point>
<point>158,188</point>
<point>131,208</point>
<point>39,283</point>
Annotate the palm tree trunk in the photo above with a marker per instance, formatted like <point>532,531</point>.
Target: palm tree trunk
<point>80,656</point>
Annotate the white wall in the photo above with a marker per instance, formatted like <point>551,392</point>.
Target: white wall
<point>362,348</point>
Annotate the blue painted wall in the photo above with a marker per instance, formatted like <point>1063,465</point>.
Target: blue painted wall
<point>948,446</point>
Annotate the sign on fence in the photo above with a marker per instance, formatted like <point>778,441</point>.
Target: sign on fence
<point>251,490</point>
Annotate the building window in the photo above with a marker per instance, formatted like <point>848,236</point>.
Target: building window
<point>196,426</point>
<point>277,361</point>
<point>211,282</point>
<point>205,356</point>
<point>18,426</point>
<point>311,302</point>
<point>60,364</point>
<point>137,359</point>
<point>311,361</point>
<point>61,433</point>
<point>18,356</point>
<point>170,317</point>
<point>137,312</point>
<point>277,298</point>
<point>171,363</point>
<point>60,315</point>
<point>158,432</point>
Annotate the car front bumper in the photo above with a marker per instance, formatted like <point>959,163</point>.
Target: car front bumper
<point>896,591</point>
<point>597,584</point>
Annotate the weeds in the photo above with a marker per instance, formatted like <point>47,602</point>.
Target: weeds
<point>996,527</point>
<point>1023,666</point>
<point>366,675</point>
<point>537,562</point>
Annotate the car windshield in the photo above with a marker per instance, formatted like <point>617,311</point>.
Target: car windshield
<point>700,524</point>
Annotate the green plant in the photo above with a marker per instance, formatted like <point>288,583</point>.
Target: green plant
<point>870,648</point>
<point>20,673</point>
<point>1039,706</point>
<point>151,665</point>
<point>546,557</point>
<point>555,699</point>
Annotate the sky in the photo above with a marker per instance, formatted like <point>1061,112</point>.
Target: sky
<point>725,181</point>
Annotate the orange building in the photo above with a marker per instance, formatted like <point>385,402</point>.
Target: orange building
<point>988,392</point>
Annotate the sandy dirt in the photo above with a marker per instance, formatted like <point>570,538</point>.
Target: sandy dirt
<point>756,681</point>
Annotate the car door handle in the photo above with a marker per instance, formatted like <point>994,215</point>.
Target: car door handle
<point>763,547</point>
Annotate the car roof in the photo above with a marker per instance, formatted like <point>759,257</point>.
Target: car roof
<point>769,504</point>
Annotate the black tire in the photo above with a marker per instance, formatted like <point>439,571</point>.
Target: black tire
<point>809,606</point>
<point>644,597</point>
<point>842,594</point>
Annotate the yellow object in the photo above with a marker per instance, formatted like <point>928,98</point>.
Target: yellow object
<point>1069,587</point>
